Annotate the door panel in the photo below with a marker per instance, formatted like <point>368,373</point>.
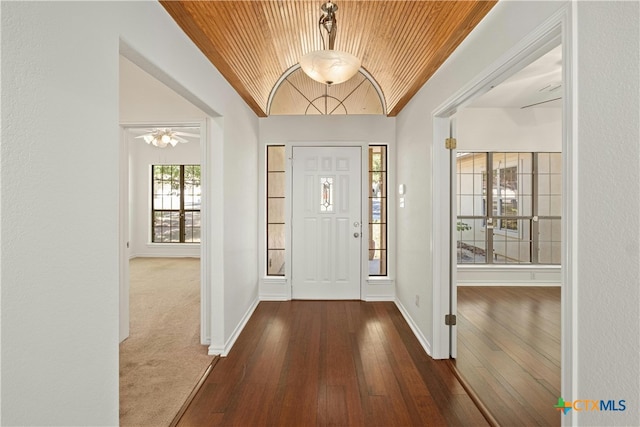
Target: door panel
<point>326,222</point>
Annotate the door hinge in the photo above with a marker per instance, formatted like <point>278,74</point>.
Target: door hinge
<point>450,143</point>
<point>450,319</point>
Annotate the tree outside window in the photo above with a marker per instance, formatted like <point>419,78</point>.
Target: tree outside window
<point>175,203</point>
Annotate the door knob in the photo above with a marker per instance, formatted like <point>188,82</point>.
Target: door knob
<point>356,234</point>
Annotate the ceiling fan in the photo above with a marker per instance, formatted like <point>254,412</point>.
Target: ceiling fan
<point>162,137</point>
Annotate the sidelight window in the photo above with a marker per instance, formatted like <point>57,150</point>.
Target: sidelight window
<point>276,163</point>
<point>378,210</point>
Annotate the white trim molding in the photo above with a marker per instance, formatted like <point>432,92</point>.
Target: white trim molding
<point>274,288</point>
<point>569,290</point>
<point>414,328</point>
<point>224,350</point>
<point>380,288</point>
<point>514,275</point>
<point>205,245</point>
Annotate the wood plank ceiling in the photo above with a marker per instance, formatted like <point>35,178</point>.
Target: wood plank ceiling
<point>400,43</point>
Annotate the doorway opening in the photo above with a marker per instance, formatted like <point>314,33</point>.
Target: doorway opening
<point>508,202</point>
<point>161,198</point>
<point>508,241</point>
<point>553,35</point>
<point>160,271</point>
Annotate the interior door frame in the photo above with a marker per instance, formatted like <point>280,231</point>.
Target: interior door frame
<point>453,250</point>
<point>364,169</point>
<point>205,224</point>
<point>558,29</point>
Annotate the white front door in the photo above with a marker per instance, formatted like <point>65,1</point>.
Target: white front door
<point>326,222</point>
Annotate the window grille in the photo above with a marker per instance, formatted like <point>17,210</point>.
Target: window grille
<point>513,218</point>
<point>175,203</point>
<point>276,164</point>
<point>377,210</point>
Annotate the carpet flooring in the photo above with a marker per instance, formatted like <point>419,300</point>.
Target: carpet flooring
<point>162,360</point>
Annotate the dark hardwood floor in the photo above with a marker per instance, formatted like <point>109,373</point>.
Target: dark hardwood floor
<point>322,363</point>
<point>509,351</point>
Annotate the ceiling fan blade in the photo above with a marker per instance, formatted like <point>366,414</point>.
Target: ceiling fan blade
<point>177,138</point>
<point>192,135</point>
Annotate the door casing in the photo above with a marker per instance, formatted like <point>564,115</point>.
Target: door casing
<point>123,221</point>
<point>558,29</point>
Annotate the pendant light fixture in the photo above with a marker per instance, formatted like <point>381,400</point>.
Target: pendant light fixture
<point>329,66</point>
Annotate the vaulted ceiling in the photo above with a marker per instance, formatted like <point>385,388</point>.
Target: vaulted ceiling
<point>401,43</point>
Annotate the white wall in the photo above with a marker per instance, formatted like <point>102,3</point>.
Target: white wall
<point>240,213</point>
<point>606,335</point>
<point>369,128</point>
<point>145,99</point>
<point>59,173</point>
<point>372,129</point>
<point>608,269</point>
<point>509,129</point>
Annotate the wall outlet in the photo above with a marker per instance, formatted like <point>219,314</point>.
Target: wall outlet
<point>417,300</point>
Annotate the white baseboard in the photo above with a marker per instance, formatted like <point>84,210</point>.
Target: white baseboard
<point>277,297</point>
<point>507,275</point>
<point>224,351</point>
<point>274,289</point>
<point>414,328</point>
<point>156,255</point>
<point>205,340</point>
<point>379,289</point>
<point>380,298</point>
<point>512,283</point>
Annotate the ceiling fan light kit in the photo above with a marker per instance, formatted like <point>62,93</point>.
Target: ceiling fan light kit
<point>162,138</point>
<point>329,66</point>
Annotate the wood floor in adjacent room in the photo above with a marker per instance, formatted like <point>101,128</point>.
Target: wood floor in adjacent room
<point>509,351</point>
<point>318,363</point>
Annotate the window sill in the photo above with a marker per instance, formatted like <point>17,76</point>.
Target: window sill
<point>173,245</point>
<point>508,267</point>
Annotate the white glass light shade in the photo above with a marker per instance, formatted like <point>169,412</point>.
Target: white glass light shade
<point>330,66</point>
<point>160,139</point>
<point>159,142</point>
<point>163,137</point>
